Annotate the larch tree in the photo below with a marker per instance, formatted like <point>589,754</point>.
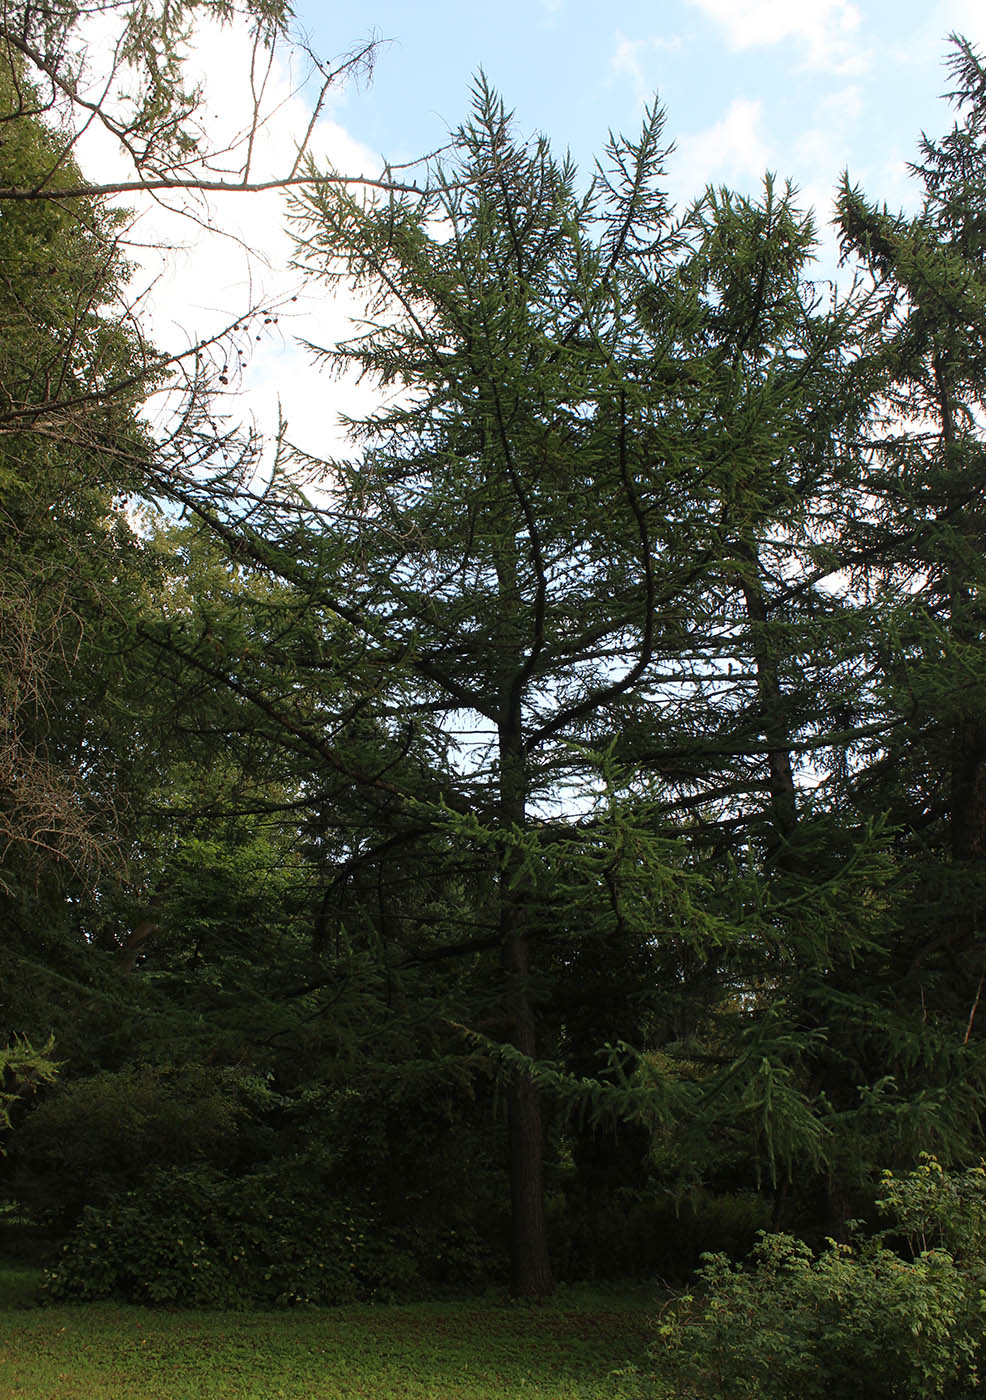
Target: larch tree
<point>919,547</point>
<point>587,498</point>
<point>499,555</point>
<point>771,691</point>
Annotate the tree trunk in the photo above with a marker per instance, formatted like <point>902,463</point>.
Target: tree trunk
<point>530,1266</point>
<point>783,800</point>
<point>968,791</point>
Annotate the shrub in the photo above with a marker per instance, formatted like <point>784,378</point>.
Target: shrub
<point>89,1138</point>
<point>196,1239</point>
<point>937,1210</point>
<point>854,1320</point>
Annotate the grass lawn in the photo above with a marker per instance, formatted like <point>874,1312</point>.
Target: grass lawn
<point>476,1350</point>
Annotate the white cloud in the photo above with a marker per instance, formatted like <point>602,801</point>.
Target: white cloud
<point>820,154</point>
<point>826,30</point>
<point>625,61</point>
<point>200,270</point>
<point>966,17</point>
<point>628,60</point>
<point>730,151</point>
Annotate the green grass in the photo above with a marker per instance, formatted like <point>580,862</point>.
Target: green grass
<point>474,1350</point>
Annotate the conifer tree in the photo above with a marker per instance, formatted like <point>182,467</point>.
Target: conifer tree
<point>923,541</point>
<point>500,531</point>
<point>589,492</point>
<point>897,1059</point>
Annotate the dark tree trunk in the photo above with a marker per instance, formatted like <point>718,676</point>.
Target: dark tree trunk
<point>967,796</point>
<point>783,800</point>
<point>968,791</point>
<point>530,1266</point>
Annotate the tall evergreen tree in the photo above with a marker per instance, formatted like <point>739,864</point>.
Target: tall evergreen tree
<point>921,546</point>
<point>770,688</point>
<point>70,563</point>
<point>561,583</point>
<point>499,536</point>
<point>895,1059</point>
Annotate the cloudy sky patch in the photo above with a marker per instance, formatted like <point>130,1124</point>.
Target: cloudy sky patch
<point>802,89</point>
<point>826,32</point>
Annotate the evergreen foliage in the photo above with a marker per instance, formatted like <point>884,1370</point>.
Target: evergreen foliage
<point>586,775</point>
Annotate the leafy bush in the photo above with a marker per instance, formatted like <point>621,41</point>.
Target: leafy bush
<point>88,1139</point>
<point>23,1068</point>
<point>196,1239</point>
<point>853,1320</point>
<point>936,1210</point>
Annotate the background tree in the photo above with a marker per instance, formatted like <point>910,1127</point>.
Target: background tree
<point>124,74</point>
<point>71,563</point>
<point>917,556</point>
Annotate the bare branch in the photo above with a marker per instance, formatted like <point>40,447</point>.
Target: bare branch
<point>98,191</point>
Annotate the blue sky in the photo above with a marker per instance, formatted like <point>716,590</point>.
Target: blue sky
<point>802,87</point>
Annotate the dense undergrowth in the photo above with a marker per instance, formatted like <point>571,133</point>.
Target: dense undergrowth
<point>896,1315</point>
<point>899,1313</point>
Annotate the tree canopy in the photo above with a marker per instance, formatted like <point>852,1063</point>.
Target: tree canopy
<point>602,740</point>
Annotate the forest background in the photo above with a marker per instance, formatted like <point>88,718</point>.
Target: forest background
<point>547,839</point>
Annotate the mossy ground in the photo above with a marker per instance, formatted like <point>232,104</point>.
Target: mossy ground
<point>486,1349</point>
